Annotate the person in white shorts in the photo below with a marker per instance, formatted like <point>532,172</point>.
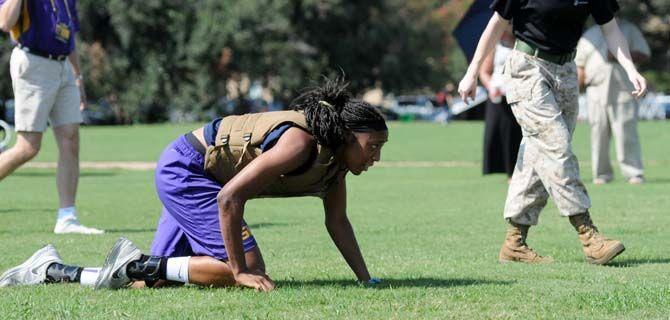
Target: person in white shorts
<point>48,88</point>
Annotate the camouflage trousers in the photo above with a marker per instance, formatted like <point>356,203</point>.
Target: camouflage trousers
<point>543,96</point>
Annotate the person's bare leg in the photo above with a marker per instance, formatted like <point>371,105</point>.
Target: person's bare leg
<point>27,146</point>
<point>208,271</point>
<point>67,177</point>
<point>211,272</point>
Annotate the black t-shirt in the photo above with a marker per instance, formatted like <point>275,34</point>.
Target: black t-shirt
<point>554,26</point>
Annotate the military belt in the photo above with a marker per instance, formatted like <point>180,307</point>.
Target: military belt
<point>544,55</point>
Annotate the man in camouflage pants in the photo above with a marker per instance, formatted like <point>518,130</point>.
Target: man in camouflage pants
<point>542,91</point>
<point>543,96</point>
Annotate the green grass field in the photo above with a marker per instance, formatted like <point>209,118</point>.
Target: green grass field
<point>431,234</point>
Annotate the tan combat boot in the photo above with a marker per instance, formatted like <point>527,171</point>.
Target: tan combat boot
<point>597,248</point>
<point>515,249</point>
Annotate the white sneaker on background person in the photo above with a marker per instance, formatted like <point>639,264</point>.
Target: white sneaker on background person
<point>32,271</point>
<point>636,180</point>
<point>67,222</point>
<point>72,225</point>
<point>601,181</point>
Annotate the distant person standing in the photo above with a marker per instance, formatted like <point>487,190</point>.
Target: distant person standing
<point>48,87</point>
<point>612,110</point>
<point>502,134</point>
<point>445,97</point>
<point>375,95</point>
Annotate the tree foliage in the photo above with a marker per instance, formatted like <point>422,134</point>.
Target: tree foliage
<point>159,54</point>
<point>152,56</point>
<point>653,18</point>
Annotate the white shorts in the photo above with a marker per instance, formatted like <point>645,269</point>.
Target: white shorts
<point>44,90</point>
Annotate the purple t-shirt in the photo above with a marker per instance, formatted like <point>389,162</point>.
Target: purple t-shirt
<point>43,18</point>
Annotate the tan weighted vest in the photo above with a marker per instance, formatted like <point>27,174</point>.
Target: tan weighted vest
<point>238,142</point>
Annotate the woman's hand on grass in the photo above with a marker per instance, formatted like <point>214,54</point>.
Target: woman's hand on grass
<point>255,279</point>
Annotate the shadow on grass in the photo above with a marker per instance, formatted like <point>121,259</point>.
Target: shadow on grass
<point>83,174</point>
<point>388,283</point>
<point>49,230</point>
<point>12,210</point>
<point>129,230</point>
<point>657,181</point>
<point>628,263</point>
<point>96,174</point>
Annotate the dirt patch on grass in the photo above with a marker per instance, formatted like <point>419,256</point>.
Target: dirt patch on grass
<point>140,166</point>
<point>102,165</point>
<point>143,166</point>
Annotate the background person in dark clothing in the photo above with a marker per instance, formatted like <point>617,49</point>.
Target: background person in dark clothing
<point>502,134</point>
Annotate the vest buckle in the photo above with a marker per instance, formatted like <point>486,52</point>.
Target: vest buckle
<point>247,137</point>
<point>224,139</point>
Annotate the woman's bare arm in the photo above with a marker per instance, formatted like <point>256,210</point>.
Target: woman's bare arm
<point>492,34</point>
<point>9,14</point>
<point>291,151</point>
<point>341,231</point>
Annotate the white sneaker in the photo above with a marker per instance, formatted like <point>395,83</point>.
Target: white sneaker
<point>33,270</point>
<point>72,225</point>
<point>113,274</point>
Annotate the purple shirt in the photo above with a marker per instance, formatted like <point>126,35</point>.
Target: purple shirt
<point>42,20</point>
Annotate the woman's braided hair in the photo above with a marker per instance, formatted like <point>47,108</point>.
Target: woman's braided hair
<point>330,111</point>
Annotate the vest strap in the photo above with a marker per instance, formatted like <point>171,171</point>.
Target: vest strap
<point>238,143</point>
<point>249,126</point>
<point>223,135</point>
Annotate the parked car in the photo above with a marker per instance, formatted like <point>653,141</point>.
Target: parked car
<point>99,113</point>
<point>5,135</point>
<point>662,104</point>
<point>389,114</point>
<point>475,110</point>
<point>8,111</point>
<point>459,106</point>
<point>414,107</point>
